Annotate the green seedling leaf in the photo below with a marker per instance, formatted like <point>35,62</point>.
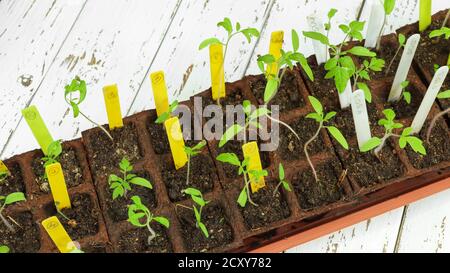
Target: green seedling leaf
<point>295,40</point>
<point>249,33</point>
<point>316,105</point>
<point>208,42</point>
<point>442,31</point>
<point>229,158</point>
<point>192,192</point>
<point>361,51</point>
<point>317,36</point>
<point>281,172</point>
<point>331,13</point>
<point>141,182</point>
<point>401,39</point>
<point>14,198</point>
<point>329,116</point>
<point>203,229</point>
<point>262,111</point>
<point>271,88</point>
<point>371,144</point>
<point>444,94</point>
<point>4,249</point>
<point>407,97</point>
<point>242,199</point>
<point>338,136</point>
<point>315,116</point>
<point>226,24</point>
<point>389,6</point>
<point>365,88</point>
<point>162,220</point>
<point>229,134</point>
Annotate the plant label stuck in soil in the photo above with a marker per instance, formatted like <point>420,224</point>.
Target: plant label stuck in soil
<point>375,24</point>
<point>3,168</point>
<point>345,97</point>
<point>217,71</point>
<point>360,117</point>
<point>320,50</point>
<point>58,235</point>
<point>403,67</point>
<point>176,142</point>
<point>38,128</point>
<point>428,99</point>
<point>58,186</point>
<point>112,103</point>
<point>424,14</point>
<point>276,44</point>
<point>251,151</point>
<point>159,92</point>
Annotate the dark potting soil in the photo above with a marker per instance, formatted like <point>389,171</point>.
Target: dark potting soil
<point>233,97</point>
<point>13,182</point>
<point>136,241</point>
<point>323,89</point>
<point>401,108</point>
<point>386,52</point>
<point>344,121</point>
<point>159,140</point>
<point>313,194</point>
<point>73,173</point>
<point>83,216</point>
<point>288,96</point>
<point>438,150</point>
<point>94,248</point>
<point>117,209</point>
<point>200,177</point>
<point>25,239</point>
<point>432,51</point>
<point>271,207</point>
<point>235,146</point>
<point>291,148</point>
<point>366,169</point>
<point>107,155</point>
<point>219,229</point>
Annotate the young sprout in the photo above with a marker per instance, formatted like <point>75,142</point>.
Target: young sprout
<point>191,152</point>
<point>445,31</point>
<point>140,216</point>
<point>404,138</point>
<point>166,115</point>
<point>79,86</point>
<point>4,249</point>
<point>121,185</point>
<point>197,197</point>
<point>405,94</point>
<point>331,13</point>
<point>322,118</point>
<point>54,150</point>
<point>233,159</point>
<point>282,180</point>
<point>3,175</point>
<point>441,95</point>
<point>8,200</point>
<point>341,67</point>
<point>388,8</point>
<point>249,33</point>
<point>401,44</point>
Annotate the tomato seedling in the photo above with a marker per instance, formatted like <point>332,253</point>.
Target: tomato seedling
<point>191,152</point>
<point>166,115</point>
<point>4,249</point>
<point>401,44</point>
<point>140,216</point>
<point>283,182</point>
<point>405,93</point>
<point>120,185</point>
<point>403,139</point>
<point>8,200</point>
<point>388,6</point>
<point>197,197</point>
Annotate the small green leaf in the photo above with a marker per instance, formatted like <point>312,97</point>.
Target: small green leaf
<point>208,42</point>
<point>316,104</point>
<point>331,13</point>
<point>444,94</point>
<point>329,116</point>
<point>242,199</point>
<point>197,214</point>
<point>389,114</point>
<point>338,136</point>
<point>286,185</point>
<point>366,90</point>
<point>416,144</point>
<point>193,191</point>
<point>317,36</point>
<point>4,249</point>
<point>315,116</point>
<point>203,229</point>
<point>198,200</point>
<point>230,133</point>
<point>331,63</point>
<point>118,192</point>
<point>281,171</point>
<point>341,78</point>
<point>389,6</point>
<point>141,182</point>
<point>249,33</point>
<point>295,40</point>
<point>229,158</point>
<point>226,24</point>
<point>267,59</point>
<point>361,51</point>
<point>370,144</point>
<point>407,97</point>
<point>401,39</point>
<point>404,84</point>
<point>262,111</point>
<point>14,198</point>
<point>162,220</point>
<point>271,88</point>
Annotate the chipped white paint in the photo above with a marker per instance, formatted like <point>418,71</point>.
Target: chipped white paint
<point>44,43</point>
<point>403,67</point>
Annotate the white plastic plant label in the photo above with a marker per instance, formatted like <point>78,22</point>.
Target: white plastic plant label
<point>321,51</point>
<point>360,117</point>
<point>375,24</point>
<point>428,99</point>
<point>345,97</point>
<point>403,67</point>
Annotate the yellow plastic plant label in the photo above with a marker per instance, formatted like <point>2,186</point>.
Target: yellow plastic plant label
<point>217,71</point>
<point>276,43</point>
<point>176,142</point>
<point>3,167</point>
<point>58,186</point>
<point>159,92</point>
<point>37,126</point>
<point>112,102</point>
<point>251,151</point>
<point>424,14</point>
<point>58,235</point>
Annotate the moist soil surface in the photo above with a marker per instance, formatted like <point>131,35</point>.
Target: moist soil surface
<point>107,155</point>
<point>271,207</point>
<point>136,241</point>
<point>13,182</point>
<point>117,209</point>
<point>235,146</point>
<point>438,149</point>
<point>291,148</point>
<point>288,96</point>
<point>233,97</point>
<point>25,239</point>
<point>83,216</point>
<point>366,169</point>
<point>313,194</point>
<point>404,110</point>
<point>219,229</point>
<point>93,247</point>
<point>201,177</point>
<point>73,173</point>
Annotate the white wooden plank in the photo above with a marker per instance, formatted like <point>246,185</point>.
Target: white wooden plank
<point>31,33</point>
<point>112,42</point>
<point>374,235</point>
<point>186,68</point>
<point>426,225</point>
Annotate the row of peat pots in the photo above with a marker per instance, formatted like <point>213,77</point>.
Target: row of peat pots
<point>348,179</point>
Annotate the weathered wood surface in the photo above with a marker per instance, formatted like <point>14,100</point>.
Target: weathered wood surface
<point>45,43</point>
